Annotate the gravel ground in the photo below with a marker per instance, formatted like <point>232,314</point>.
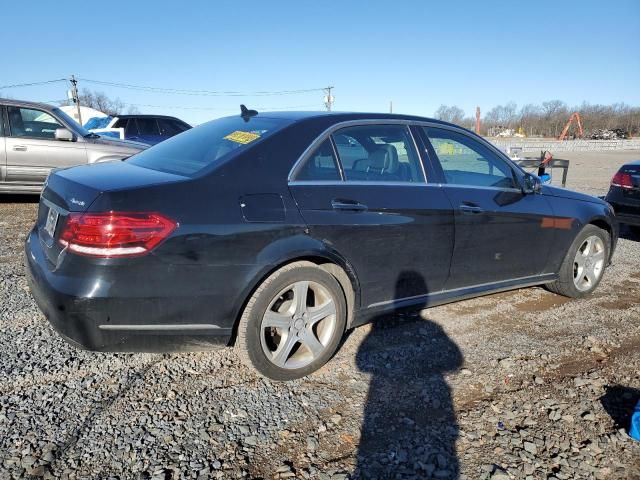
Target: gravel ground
<point>524,384</point>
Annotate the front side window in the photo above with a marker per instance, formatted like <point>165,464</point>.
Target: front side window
<point>169,128</point>
<point>209,144</point>
<point>320,165</point>
<point>131,128</point>
<point>378,153</point>
<point>121,123</point>
<point>31,123</point>
<point>466,161</point>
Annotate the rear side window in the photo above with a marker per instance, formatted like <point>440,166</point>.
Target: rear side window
<point>378,153</point>
<point>147,126</point>
<point>466,161</point>
<point>320,165</point>
<point>207,145</point>
<point>1,121</point>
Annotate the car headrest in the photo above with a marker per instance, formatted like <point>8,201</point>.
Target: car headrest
<point>385,159</point>
<point>15,120</point>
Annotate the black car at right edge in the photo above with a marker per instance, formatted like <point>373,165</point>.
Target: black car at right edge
<point>624,195</point>
<point>277,232</point>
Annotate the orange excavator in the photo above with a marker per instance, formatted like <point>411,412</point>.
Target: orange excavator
<point>574,116</point>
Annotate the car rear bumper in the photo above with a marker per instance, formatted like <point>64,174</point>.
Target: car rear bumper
<point>87,317</point>
<point>626,205</point>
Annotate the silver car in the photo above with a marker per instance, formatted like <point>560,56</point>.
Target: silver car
<point>36,137</point>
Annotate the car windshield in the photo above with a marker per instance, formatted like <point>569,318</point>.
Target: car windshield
<point>194,150</point>
<point>97,122</point>
<point>71,123</point>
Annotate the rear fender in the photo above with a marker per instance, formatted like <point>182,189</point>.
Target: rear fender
<point>303,247</point>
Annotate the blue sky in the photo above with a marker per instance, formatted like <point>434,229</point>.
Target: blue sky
<point>418,54</point>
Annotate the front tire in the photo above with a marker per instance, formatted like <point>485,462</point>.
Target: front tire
<point>584,264</point>
<point>293,322</point>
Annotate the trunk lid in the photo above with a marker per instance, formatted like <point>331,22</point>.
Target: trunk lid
<point>634,171</point>
<point>76,189</point>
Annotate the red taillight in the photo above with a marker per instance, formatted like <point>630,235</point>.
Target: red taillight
<point>622,179</point>
<point>115,234</point>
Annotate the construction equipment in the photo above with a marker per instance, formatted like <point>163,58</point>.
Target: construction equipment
<point>574,116</point>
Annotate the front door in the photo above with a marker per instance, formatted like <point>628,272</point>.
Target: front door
<point>501,233</point>
<point>31,148</point>
<point>378,212</point>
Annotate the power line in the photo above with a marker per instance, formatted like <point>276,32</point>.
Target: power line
<point>17,85</point>
<point>213,93</point>
<point>220,108</point>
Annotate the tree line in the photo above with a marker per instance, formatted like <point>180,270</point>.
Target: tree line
<point>547,119</point>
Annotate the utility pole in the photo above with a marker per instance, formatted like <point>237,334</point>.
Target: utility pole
<point>75,97</point>
<point>328,98</point>
<point>390,106</point>
<point>478,120</point>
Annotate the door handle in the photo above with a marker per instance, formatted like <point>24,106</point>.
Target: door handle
<point>351,205</point>
<point>20,148</point>
<point>468,209</point>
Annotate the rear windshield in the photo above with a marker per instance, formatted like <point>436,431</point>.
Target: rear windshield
<point>199,148</point>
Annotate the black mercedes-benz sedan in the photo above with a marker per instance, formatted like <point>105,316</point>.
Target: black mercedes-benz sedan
<point>624,195</point>
<point>277,232</point>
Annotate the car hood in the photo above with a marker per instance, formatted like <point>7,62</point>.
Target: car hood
<point>118,144</point>
<point>564,193</point>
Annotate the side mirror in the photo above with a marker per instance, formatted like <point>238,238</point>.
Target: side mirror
<point>65,135</point>
<point>531,184</point>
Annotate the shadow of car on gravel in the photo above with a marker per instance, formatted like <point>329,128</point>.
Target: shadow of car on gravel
<point>13,198</point>
<point>409,427</point>
<point>619,402</point>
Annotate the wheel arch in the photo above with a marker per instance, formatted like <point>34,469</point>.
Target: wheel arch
<point>608,226</point>
<point>330,262</point>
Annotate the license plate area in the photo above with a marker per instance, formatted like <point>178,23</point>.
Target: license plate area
<point>52,222</point>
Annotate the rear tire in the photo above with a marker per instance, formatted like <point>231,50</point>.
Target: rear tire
<point>584,264</point>
<point>293,322</point>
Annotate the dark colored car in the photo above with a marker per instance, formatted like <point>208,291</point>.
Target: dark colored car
<point>268,232</point>
<point>149,129</point>
<point>624,195</point>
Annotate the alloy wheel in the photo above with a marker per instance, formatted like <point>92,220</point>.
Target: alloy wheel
<point>588,264</point>
<point>298,325</point>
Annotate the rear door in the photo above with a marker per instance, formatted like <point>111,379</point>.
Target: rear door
<point>31,148</point>
<point>377,210</point>
<point>501,233</point>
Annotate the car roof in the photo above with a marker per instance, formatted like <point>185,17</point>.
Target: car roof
<point>144,115</point>
<point>297,116</point>
<point>25,103</point>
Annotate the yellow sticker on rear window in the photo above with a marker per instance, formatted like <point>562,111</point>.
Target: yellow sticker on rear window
<point>242,137</point>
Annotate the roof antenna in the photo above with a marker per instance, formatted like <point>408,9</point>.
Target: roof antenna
<point>246,114</point>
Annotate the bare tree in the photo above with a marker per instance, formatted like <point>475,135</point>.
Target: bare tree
<point>100,101</point>
<point>452,114</point>
<point>549,118</point>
